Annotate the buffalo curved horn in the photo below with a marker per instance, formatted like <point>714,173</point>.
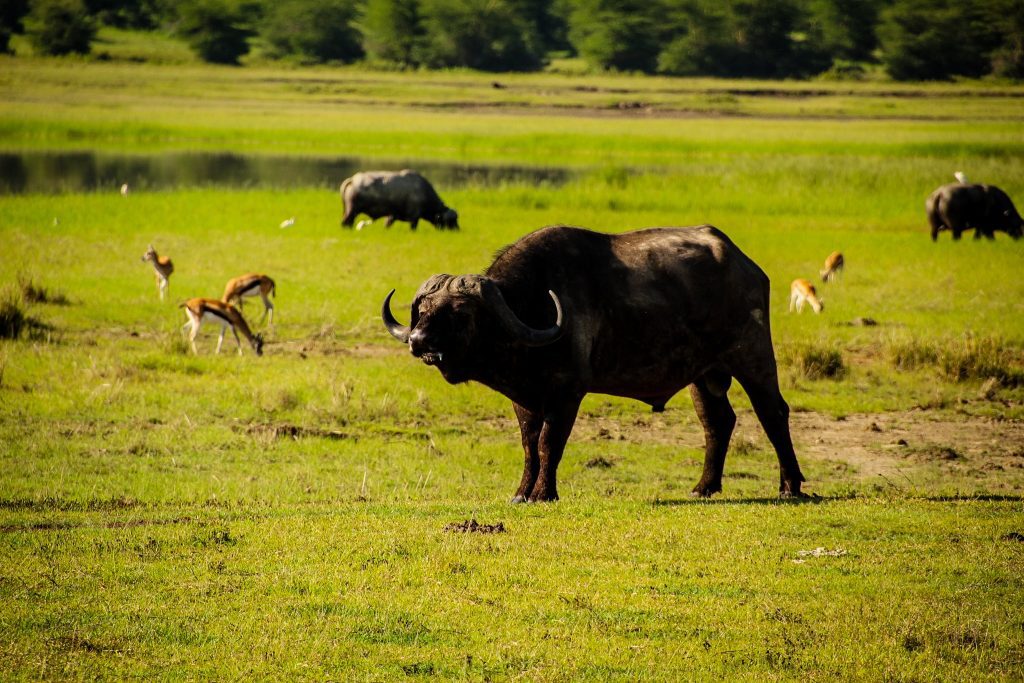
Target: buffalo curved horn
<point>397,330</point>
<point>524,333</point>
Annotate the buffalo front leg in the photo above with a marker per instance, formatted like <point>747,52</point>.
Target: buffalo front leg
<point>530,424</point>
<point>559,418</point>
<point>716,415</point>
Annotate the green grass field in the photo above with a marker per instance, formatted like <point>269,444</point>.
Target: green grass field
<point>170,516</point>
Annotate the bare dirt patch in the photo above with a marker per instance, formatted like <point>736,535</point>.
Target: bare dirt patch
<point>471,526</point>
<point>859,447</point>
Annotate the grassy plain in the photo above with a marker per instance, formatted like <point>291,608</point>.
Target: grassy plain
<point>170,516</point>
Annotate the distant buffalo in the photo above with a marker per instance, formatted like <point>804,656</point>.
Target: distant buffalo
<point>985,208</point>
<point>565,312</point>
<point>397,195</point>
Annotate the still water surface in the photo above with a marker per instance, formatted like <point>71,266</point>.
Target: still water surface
<point>85,171</point>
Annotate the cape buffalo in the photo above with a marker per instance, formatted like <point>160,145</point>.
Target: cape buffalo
<point>566,311</point>
<point>402,195</point>
<point>985,208</point>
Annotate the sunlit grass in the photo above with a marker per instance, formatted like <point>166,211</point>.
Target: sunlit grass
<point>170,515</point>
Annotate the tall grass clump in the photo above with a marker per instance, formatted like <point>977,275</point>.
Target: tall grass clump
<point>13,318</point>
<point>812,361</point>
<point>35,293</point>
<point>982,358</point>
<point>912,354</point>
<point>962,359</point>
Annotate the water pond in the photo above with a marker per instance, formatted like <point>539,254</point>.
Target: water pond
<point>86,171</point>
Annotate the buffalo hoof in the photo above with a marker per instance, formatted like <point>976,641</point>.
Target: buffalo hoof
<point>705,491</point>
<point>516,499</point>
<point>792,492</point>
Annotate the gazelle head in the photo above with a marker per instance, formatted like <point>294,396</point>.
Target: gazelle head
<point>150,254</point>
<point>257,343</point>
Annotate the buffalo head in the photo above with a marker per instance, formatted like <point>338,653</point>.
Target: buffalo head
<point>448,218</point>
<point>457,320</point>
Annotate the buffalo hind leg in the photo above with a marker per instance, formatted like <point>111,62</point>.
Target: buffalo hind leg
<point>711,401</point>
<point>773,413</point>
<point>558,421</point>
<point>530,423</point>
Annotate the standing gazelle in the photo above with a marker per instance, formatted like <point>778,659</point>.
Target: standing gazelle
<point>226,315</point>
<point>251,284</point>
<point>800,291</point>
<point>833,267</point>
<point>163,268</point>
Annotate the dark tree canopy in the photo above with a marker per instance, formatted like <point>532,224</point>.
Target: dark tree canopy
<point>910,39</point>
<point>60,27</point>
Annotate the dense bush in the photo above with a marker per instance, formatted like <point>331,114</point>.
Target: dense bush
<point>314,30</point>
<point>60,27</point>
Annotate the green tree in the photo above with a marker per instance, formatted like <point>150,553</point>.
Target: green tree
<point>1007,16</point>
<point>60,27</point>
<point>315,30</point>
<point>617,34</point>
<point>936,39</point>
<point>11,14</point>
<point>480,34</point>
<point>847,27</point>
<point>392,31</point>
<point>217,30</point>
<point>759,38</point>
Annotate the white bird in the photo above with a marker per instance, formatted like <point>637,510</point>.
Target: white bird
<point>124,190</point>
<point>959,175</point>
<point>288,222</point>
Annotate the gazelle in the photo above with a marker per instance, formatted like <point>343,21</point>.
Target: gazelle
<point>251,284</point>
<point>800,291</point>
<point>212,310</point>
<point>163,267</point>
<point>833,267</point>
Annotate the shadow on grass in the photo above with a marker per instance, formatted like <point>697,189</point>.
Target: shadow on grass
<point>816,500</point>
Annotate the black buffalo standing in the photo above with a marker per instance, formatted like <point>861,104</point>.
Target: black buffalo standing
<point>399,195</point>
<point>641,315</point>
<point>985,208</point>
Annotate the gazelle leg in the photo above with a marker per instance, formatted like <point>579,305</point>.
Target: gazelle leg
<point>220,339</point>
<point>192,337</point>
<point>268,309</point>
<point>237,340</point>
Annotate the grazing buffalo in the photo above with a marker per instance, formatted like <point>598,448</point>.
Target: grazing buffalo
<point>402,195</point>
<point>566,311</point>
<point>985,208</point>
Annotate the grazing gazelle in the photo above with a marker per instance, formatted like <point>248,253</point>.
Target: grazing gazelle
<point>224,314</point>
<point>800,291</point>
<point>251,284</point>
<point>163,267</point>
<point>833,267</point>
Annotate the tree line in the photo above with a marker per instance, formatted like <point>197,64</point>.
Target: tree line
<point>910,39</point>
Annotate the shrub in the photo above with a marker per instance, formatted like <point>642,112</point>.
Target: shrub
<point>60,27</point>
